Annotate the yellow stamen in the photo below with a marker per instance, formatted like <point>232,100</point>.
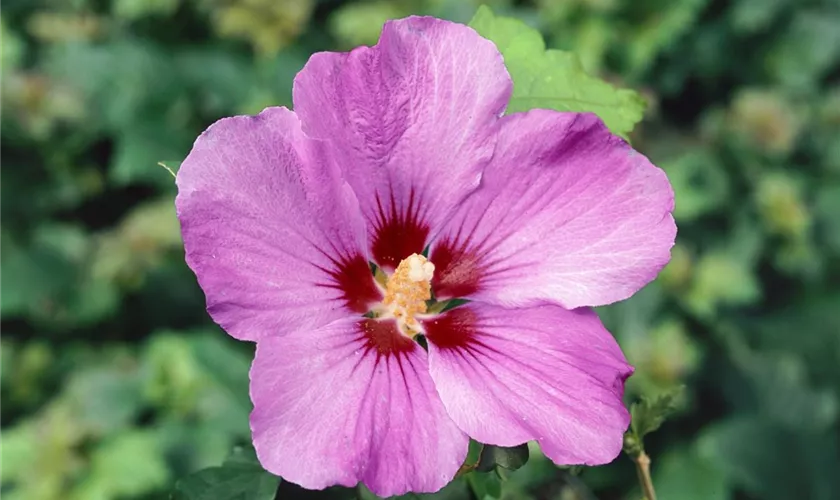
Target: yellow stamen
<point>408,290</point>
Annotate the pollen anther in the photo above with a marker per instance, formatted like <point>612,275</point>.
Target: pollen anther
<point>408,290</point>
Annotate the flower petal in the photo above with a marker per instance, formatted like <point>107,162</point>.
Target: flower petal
<point>273,236</point>
<point>414,120</point>
<point>350,402</point>
<point>507,376</point>
<point>566,213</point>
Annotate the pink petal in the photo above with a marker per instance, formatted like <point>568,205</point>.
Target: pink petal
<point>507,376</point>
<point>350,402</point>
<point>413,118</point>
<point>270,231</point>
<point>566,213</point>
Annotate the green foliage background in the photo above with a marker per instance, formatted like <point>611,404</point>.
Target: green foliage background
<point>115,383</point>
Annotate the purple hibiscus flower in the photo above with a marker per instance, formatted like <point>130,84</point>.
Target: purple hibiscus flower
<point>390,151</point>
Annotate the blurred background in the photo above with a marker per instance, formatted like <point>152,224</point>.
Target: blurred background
<point>115,383</point>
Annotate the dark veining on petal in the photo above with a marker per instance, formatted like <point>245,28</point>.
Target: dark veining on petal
<point>455,329</point>
<point>354,280</point>
<point>457,270</point>
<point>398,235</point>
<point>383,338</point>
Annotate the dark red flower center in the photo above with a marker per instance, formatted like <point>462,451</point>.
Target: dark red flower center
<point>398,236</point>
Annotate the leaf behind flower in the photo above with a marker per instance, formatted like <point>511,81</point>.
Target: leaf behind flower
<point>555,79</point>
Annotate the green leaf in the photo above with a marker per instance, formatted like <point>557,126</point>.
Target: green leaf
<point>750,16</point>
<point>659,32</point>
<point>243,455</point>
<point>241,478</point>
<point>807,50</point>
<point>777,386</point>
<point>700,183</point>
<point>143,71</point>
<point>140,146</point>
<point>724,276</point>
<point>19,452</point>
<point>136,9</point>
<point>129,464</point>
<point>359,23</point>
<point>226,362</point>
<point>648,414</point>
<point>773,462</point>
<point>33,277</point>
<point>686,476</point>
<point>555,79</point>
<point>194,444</point>
<point>485,485</point>
<point>107,398</point>
<point>814,317</point>
<point>474,452</point>
<point>635,316</point>
<point>827,206</point>
<point>11,48</point>
<point>509,458</point>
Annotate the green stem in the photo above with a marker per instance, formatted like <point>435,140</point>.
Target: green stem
<point>643,471</point>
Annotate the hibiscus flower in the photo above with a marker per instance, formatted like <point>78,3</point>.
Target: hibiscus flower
<point>336,235</point>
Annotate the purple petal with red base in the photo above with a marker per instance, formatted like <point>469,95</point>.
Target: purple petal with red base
<point>273,235</point>
<point>508,376</point>
<point>350,402</point>
<point>566,213</point>
<point>413,119</point>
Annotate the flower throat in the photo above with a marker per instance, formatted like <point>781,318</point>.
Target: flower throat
<point>407,291</point>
